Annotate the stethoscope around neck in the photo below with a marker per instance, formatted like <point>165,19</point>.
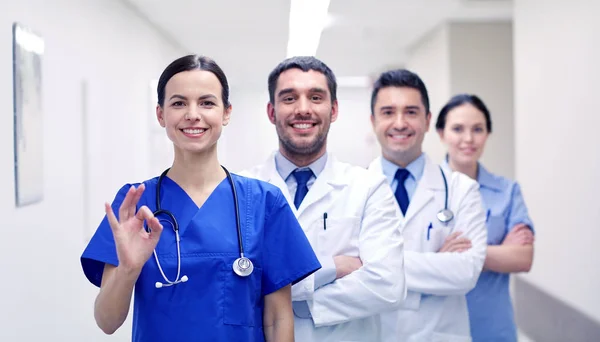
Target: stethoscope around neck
<point>445,215</point>
<point>242,266</point>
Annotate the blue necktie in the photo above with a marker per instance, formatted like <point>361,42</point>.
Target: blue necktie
<point>401,194</point>
<point>302,178</point>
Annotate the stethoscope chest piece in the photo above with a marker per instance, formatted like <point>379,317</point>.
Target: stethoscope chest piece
<point>243,267</point>
<point>445,215</point>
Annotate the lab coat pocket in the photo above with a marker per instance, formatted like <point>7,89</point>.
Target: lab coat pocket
<point>444,337</point>
<point>435,235</point>
<point>412,301</point>
<point>338,235</point>
<point>241,297</point>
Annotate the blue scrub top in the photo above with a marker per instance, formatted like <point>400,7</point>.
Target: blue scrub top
<point>489,303</point>
<point>215,304</point>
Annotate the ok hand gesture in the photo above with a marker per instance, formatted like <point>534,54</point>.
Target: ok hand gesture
<point>134,244</point>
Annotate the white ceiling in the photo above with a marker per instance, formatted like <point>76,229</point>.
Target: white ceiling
<point>249,38</point>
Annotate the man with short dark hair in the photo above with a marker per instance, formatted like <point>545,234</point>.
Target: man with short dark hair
<point>443,217</point>
<point>350,217</point>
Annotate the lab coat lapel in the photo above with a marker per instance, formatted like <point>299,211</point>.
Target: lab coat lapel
<point>322,186</point>
<point>430,182</point>
<point>375,166</point>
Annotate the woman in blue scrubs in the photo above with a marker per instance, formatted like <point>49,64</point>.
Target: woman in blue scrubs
<point>183,280</point>
<point>464,125</point>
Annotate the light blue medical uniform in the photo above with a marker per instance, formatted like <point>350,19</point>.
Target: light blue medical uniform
<point>215,304</point>
<point>490,306</point>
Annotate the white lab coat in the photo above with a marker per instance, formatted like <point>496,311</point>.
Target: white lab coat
<point>435,309</point>
<point>363,220</point>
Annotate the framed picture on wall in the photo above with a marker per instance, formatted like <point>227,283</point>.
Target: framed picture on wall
<point>28,49</point>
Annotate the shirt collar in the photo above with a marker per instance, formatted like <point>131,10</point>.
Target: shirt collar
<point>285,167</point>
<point>415,168</point>
<point>485,178</point>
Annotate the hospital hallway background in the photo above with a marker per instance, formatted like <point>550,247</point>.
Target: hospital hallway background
<point>85,124</point>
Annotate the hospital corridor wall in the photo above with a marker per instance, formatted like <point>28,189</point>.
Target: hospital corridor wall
<point>558,162</point>
<point>99,60</point>
<point>538,75</point>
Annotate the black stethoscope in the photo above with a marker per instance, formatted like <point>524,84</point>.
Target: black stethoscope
<point>445,215</point>
<point>242,266</point>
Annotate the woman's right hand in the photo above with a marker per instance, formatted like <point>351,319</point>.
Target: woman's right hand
<point>134,244</point>
<point>520,235</point>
